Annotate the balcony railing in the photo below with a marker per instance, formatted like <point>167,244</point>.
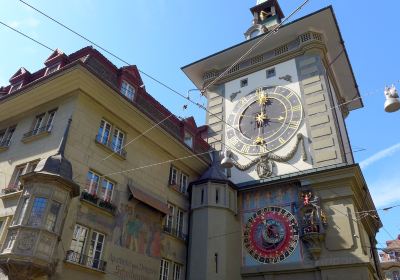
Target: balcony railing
<point>111,146</point>
<point>84,260</point>
<point>37,131</point>
<point>93,198</point>
<point>175,232</point>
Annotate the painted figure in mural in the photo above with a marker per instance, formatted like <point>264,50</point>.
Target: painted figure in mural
<point>137,230</point>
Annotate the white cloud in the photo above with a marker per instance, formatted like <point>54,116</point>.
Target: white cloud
<point>380,155</point>
<point>30,22</point>
<point>385,192</point>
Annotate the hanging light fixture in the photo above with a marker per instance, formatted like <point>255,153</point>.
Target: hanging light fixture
<point>392,103</point>
<point>226,161</point>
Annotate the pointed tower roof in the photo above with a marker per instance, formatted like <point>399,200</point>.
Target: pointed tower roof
<point>19,75</point>
<point>55,57</point>
<point>214,173</point>
<point>57,164</point>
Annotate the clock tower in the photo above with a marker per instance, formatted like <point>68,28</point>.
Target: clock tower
<point>278,115</point>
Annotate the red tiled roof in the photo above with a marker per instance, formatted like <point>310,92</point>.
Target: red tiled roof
<point>110,74</point>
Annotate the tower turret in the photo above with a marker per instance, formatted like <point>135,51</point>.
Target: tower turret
<point>215,226</point>
<point>33,236</point>
<point>266,15</point>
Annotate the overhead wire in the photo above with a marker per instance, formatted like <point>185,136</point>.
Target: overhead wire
<point>263,38</point>
<point>203,90</point>
<point>185,97</point>
<point>153,78</point>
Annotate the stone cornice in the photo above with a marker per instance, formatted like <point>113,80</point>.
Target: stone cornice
<point>282,53</point>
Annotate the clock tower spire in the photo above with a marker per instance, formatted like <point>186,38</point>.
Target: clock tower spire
<point>266,15</point>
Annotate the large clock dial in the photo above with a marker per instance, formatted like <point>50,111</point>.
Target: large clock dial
<point>271,235</point>
<point>264,120</point>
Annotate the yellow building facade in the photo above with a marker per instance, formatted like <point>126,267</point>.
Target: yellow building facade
<point>120,223</point>
<point>100,181</point>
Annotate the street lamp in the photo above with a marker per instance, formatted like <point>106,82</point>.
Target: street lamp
<point>392,103</point>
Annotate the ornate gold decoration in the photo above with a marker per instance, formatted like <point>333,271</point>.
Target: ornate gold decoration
<point>261,117</point>
<point>259,141</point>
<point>266,162</point>
<point>262,97</point>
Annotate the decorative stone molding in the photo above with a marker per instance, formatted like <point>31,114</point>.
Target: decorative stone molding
<point>266,162</point>
<point>291,46</point>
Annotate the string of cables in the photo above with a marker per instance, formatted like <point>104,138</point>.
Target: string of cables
<point>163,84</point>
<point>157,124</point>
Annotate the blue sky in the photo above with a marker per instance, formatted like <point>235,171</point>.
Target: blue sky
<point>161,36</point>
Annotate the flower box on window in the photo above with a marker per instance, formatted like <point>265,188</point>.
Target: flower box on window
<point>89,197</point>
<point>107,205</point>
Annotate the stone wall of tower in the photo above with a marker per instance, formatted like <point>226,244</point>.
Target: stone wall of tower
<point>214,246</point>
<point>321,118</point>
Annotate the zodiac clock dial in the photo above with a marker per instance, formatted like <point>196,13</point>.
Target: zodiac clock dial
<point>271,235</point>
<point>264,120</point>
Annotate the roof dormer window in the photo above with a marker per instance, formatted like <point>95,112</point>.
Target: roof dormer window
<point>128,90</point>
<point>52,69</point>
<point>16,87</point>
<point>188,139</point>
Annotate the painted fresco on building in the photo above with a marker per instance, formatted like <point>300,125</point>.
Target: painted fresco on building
<point>252,204</point>
<point>138,228</point>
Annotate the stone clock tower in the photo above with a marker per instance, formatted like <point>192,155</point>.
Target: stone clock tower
<point>279,116</point>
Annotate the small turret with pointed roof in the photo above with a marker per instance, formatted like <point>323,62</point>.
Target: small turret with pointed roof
<point>214,172</point>
<point>57,164</point>
<point>266,15</point>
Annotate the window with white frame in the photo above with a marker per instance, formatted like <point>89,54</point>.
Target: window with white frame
<point>95,249</point>
<point>164,269</point>
<point>103,188</point>
<point>92,182</point>
<point>16,87</point>
<point>111,136</point>
<point>183,182</point>
<point>118,140</point>
<point>188,139</point>
<point>38,125</point>
<point>87,251</point>
<point>6,135</point>
<point>21,214</point>
<point>103,134</point>
<point>11,240</point>
<point>173,175</point>
<point>53,69</point>
<point>128,90</point>
<point>179,222</point>
<point>177,271</point>
<point>50,118</point>
<point>21,170</point>
<point>169,218</point>
<point>106,190</point>
<point>79,240</point>
<point>43,122</point>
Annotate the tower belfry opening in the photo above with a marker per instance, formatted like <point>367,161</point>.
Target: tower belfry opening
<point>266,15</point>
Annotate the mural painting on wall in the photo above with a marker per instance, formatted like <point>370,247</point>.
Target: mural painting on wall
<point>270,225</point>
<point>138,228</point>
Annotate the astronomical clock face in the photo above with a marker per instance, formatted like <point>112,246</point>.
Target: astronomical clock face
<point>271,235</point>
<point>264,120</point>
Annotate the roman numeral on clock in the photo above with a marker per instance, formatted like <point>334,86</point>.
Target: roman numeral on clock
<point>294,124</point>
<point>245,149</point>
<point>296,108</point>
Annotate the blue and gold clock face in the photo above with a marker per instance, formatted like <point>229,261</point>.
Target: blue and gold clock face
<point>271,235</point>
<point>264,120</point>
